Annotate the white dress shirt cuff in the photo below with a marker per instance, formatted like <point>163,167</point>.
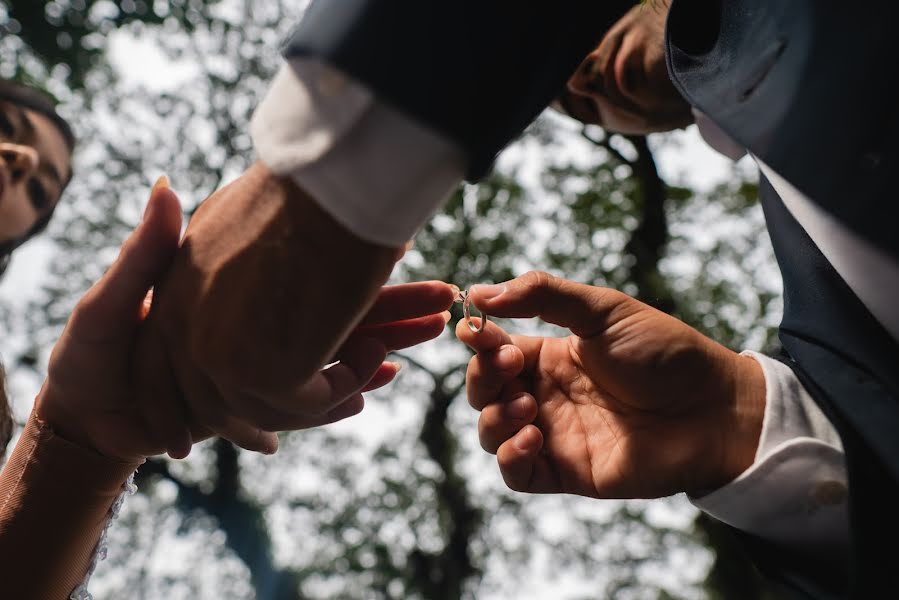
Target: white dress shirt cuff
<point>796,491</point>
<point>377,172</point>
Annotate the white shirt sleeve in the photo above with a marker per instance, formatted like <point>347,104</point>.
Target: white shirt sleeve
<point>377,172</point>
<point>796,491</point>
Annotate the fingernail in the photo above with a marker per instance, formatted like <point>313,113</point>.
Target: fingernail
<point>507,354</point>
<point>272,446</point>
<point>447,315</point>
<point>399,366</point>
<point>410,244</point>
<point>456,290</point>
<point>488,292</point>
<point>524,441</point>
<point>520,407</point>
<point>161,184</point>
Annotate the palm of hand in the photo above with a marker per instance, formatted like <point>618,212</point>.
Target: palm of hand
<point>620,412</point>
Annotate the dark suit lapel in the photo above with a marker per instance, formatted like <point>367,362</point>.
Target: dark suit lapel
<point>809,86</point>
<point>850,365</point>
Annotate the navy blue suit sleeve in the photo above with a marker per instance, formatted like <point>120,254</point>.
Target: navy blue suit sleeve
<point>477,72</point>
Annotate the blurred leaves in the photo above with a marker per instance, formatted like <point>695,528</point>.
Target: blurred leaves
<point>71,34</point>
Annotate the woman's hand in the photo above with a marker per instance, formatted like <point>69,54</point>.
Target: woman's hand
<point>90,397</point>
<point>633,404</point>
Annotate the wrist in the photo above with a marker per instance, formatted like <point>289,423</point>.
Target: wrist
<point>50,410</point>
<point>742,424</point>
<point>728,423</point>
<point>53,410</point>
<point>348,270</point>
<point>305,282</point>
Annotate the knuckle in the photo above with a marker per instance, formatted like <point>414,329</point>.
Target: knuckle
<point>540,285</point>
<point>611,296</point>
<point>88,310</point>
<point>538,280</point>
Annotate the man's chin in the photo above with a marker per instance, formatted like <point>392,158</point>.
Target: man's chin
<point>641,126</point>
<point>630,128</point>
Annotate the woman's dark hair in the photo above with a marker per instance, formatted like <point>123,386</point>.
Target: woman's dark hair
<point>41,103</point>
<point>6,422</point>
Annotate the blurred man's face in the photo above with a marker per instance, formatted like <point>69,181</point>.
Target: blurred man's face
<point>35,165</point>
<point>623,85</point>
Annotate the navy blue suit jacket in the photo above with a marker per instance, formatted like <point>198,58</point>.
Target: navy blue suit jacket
<point>812,88</point>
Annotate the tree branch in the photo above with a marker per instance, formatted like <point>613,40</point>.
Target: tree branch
<point>417,364</point>
<point>443,575</point>
<point>648,240</point>
<point>605,143</point>
<point>243,522</point>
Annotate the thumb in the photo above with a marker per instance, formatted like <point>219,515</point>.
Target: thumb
<point>585,310</point>
<point>117,300</point>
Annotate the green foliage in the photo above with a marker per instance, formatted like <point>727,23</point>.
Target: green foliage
<point>69,35</point>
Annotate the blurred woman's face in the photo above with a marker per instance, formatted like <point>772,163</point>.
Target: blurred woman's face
<point>35,165</point>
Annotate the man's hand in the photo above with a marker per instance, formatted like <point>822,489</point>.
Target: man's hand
<point>92,398</point>
<point>264,292</point>
<point>634,404</point>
